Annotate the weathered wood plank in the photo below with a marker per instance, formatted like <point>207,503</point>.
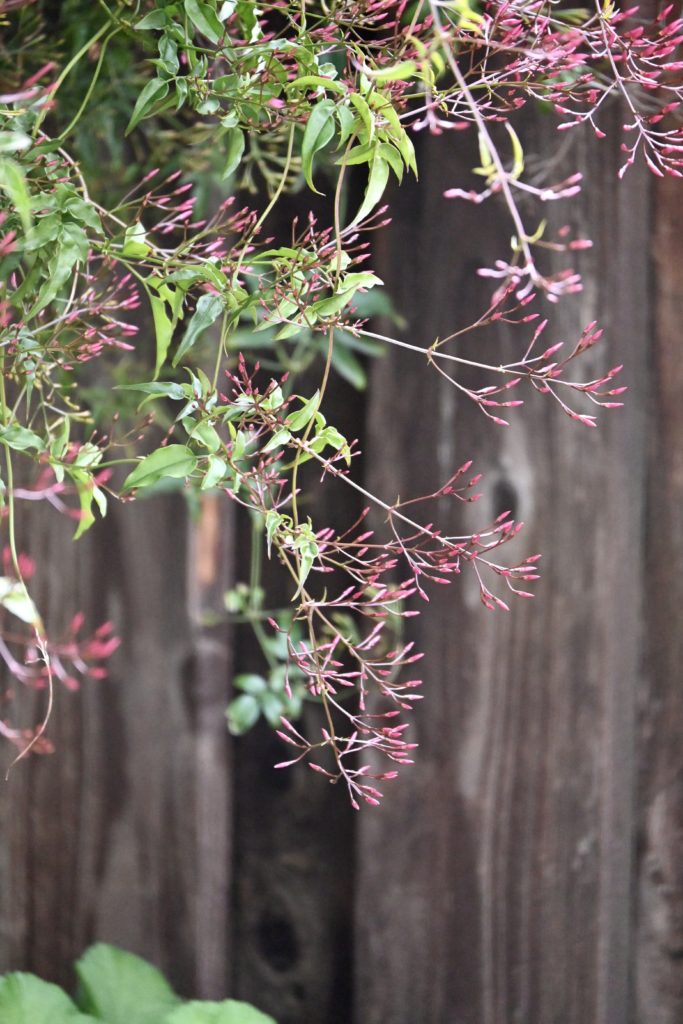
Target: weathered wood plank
<point>495,885</point>
<point>659,877</point>
<point>123,835</point>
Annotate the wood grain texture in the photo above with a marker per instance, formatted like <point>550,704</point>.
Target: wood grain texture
<point>659,879</point>
<point>495,886</point>
<point>123,835</point>
<point>527,870</point>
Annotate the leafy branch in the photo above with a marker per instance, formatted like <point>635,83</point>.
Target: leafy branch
<point>214,114</point>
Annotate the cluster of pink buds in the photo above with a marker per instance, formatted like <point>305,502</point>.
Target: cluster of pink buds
<point>37,661</point>
<point>361,681</point>
<point>576,67</point>
<point>359,675</point>
<point>640,59</point>
<point>546,371</point>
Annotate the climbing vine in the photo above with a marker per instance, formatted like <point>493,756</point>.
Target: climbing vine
<point>154,328</point>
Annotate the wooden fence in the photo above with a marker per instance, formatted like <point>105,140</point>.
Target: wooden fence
<point>529,868</point>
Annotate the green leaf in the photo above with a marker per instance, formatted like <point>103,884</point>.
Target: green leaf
<point>278,645</point>
<point>182,92</point>
<point>186,276</point>
<point>319,131</point>
<point>467,19</point>
<point>209,106</point>
<point>174,461</point>
<point>273,399</point>
<point>405,146</point>
<point>20,438</point>
<point>226,9</point>
<point>84,212</point>
<point>45,231</point>
<point>517,152</point>
<point>366,117</point>
<point>285,309</point>
<point>362,279</point>
<point>207,435</point>
<point>298,420</point>
<point>100,499</point>
<point>135,241</point>
<point>25,999</point>
<point>317,82</point>
<point>174,297</point>
<point>217,469</point>
<point>233,151</point>
<point>228,1012</point>
<point>329,436</point>
<point>153,93</point>
<point>163,330</point>
<point>242,713</point>
<point>273,521</point>
<point>15,598</point>
<point>398,73</point>
<point>247,15</point>
<point>334,304</point>
<point>120,988</point>
<point>358,155</point>
<point>88,455</point>
<point>13,182</point>
<point>283,251</point>
<point>392,157</point>
<point>72,248</point>
<point>85,488</point>
<point>385,109</point>
<point>273,707</point>
<point>156,389</point>
<point>204,20</point>
<point>60,442</point>
<point>308,552</point>
<point>377,182</point>
<point>347,122</point>
<point>209,308</point>
<point>278,440</point>
<point>156,19</point>
<point>251,683</point>
<point>14,142</point>
<point>288,331</point>
<point>168,55</point>
<point>164,325</point>
<point>487,168</point>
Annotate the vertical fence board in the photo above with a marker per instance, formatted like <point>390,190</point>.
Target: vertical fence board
<point>109,839</point>
<point>495,885</point>
<point>659,878</point>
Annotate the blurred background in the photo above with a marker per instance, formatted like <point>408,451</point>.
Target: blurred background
<point>528,869</point>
